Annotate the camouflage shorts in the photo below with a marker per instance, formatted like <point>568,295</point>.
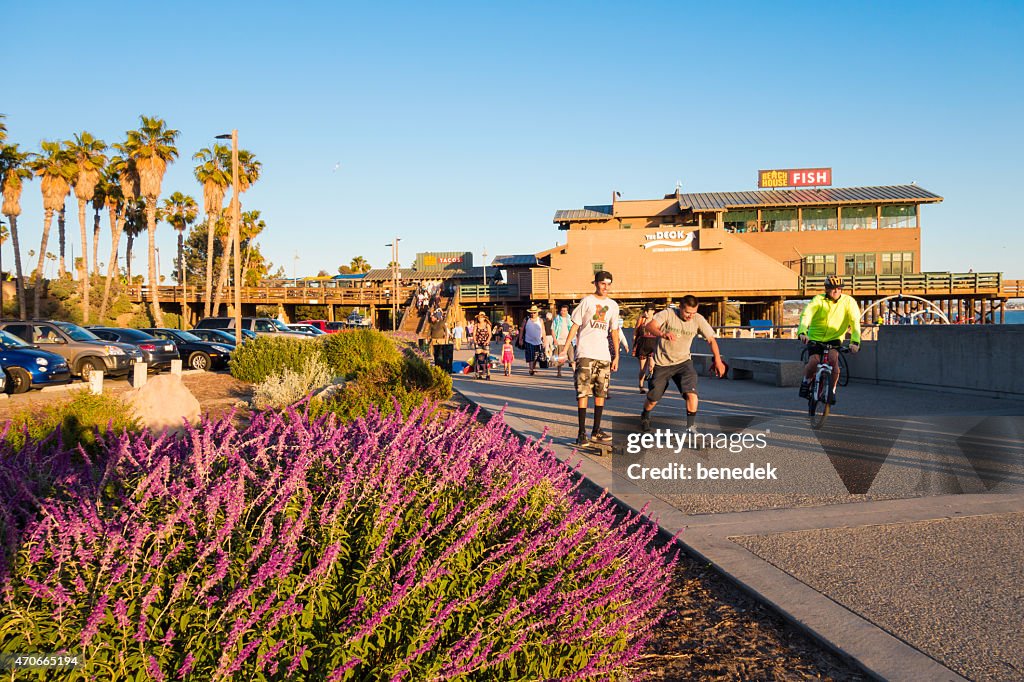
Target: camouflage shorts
<point>592,378</point>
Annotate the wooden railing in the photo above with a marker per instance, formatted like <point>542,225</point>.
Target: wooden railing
<point>478,293</point>
<point>913,283</point>
<point>310,295</point>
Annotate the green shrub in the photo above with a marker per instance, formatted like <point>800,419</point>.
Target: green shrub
<point>349,353</point>
<point>281,390</point>
<point>420,374</point>
<point>77,419</point>
<point>380,386</point>
<point>258,359</point>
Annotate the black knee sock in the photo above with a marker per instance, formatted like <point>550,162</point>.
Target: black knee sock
<point>581,414</point>
<point>598,411</point>
<point>691,417</point>
<point>645,413</point>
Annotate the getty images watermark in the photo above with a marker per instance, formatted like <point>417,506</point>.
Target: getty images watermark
<point>676,442</point>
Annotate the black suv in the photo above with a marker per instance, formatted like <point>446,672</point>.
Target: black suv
<point>195,352</point>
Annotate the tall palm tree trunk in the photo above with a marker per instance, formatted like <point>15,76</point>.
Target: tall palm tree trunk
<point>129,245</point>
<point>96,244</point>
<point>211,222</point>
<point>116,224</point>
<point>83,270</point>
<point>22,308</point>
<point>222,278</point>
<point>62,269</point>
<point>38,281</point>
<point>154,282</point>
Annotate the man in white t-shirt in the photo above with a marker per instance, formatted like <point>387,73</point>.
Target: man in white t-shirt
<point>592,320</point>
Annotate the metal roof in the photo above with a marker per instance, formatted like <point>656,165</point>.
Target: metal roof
<point>823,196</point>
<point>588,213</point>
<point>505,261</point>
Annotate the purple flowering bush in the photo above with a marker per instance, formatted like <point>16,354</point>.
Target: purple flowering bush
<point>385,548</point>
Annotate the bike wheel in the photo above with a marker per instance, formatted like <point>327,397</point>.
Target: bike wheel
<point>844,370</point>
<point>817,404</point>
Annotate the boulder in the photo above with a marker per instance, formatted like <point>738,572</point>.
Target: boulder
<point>164,402</point>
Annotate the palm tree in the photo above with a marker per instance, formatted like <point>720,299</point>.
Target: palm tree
<point>152,147</point>
<point>88,154</point>
<point>122,189</point>
<point>99,202</point>
<point>180,211</point>
<point>359,265</point>
<point>14,171</point>
<point>249,227</point>
<point>248,173</point>
<point>215,177</point>
<point>134,223</point>
<point>57,170</point>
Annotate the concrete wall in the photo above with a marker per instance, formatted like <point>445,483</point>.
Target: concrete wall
<point>974,359</point>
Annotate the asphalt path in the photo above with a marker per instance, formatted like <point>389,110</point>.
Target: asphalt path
<point>879,443</point>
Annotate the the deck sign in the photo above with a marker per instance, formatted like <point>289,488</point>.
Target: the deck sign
<point>794,177</point>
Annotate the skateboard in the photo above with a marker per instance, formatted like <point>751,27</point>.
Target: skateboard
<point>593,448</point>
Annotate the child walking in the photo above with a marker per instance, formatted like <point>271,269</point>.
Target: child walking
<point>507,355</point>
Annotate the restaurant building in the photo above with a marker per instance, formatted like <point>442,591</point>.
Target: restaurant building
<point>755,249</point>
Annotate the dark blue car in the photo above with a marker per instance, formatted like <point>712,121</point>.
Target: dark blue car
<point>28,367</point>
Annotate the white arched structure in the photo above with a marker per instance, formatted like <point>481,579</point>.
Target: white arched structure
<point>931,307</point>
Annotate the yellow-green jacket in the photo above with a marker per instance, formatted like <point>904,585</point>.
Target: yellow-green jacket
<point>825,320</point>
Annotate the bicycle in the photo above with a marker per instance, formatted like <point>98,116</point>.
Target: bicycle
<point>844,369</point>
<point>820,393</point>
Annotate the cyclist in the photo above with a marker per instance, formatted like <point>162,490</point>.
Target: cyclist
<point>823,326</point>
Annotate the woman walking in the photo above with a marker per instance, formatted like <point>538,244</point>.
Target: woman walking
<point>644,345</point>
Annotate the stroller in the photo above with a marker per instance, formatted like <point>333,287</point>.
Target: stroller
<point>482,364</point>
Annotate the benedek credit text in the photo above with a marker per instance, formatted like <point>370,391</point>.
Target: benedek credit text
<point>700,472</point>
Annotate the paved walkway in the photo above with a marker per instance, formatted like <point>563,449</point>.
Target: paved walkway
<point>894,534</point>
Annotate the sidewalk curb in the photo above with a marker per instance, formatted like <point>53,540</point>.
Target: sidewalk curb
<point>853,638</point>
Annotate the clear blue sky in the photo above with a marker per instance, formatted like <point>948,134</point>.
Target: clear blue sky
<point>466,125</point>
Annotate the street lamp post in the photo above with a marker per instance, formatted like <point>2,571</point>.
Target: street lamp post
<point>394,282</point>
<point>234,232</point>
<point>484,257</point>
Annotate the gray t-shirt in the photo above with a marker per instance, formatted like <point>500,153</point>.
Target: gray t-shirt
<point>675,352</point>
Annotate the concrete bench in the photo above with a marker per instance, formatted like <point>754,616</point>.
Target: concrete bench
<point>702,362</point>
<point>782,372</point>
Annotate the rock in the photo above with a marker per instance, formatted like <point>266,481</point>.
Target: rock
<point>163,403</point>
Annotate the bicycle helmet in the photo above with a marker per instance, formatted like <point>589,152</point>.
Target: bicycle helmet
<point>833,282</point>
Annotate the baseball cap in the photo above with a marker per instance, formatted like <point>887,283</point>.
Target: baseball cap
<point>602,276</point>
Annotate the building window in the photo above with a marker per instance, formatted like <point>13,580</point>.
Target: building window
<point>859,218</point>
<point>899,216</point>
<point>741,221</point>
<point>820,264</point>
<point>859,264</point>
<point>898,263</point>
<point>627,226</point>
<point>820,219</point>
<point>597,267</point>
<point>781,220</point>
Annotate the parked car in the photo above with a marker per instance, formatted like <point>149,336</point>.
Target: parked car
<point>307,329</point>
<point>220,335</point>
<point>263,326</point>
<point>195,352</point>
<point>84,351</point>
<point>322,325</point>
<point>25,367</point>
<point>157,353</point>
<point>333,327</point>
